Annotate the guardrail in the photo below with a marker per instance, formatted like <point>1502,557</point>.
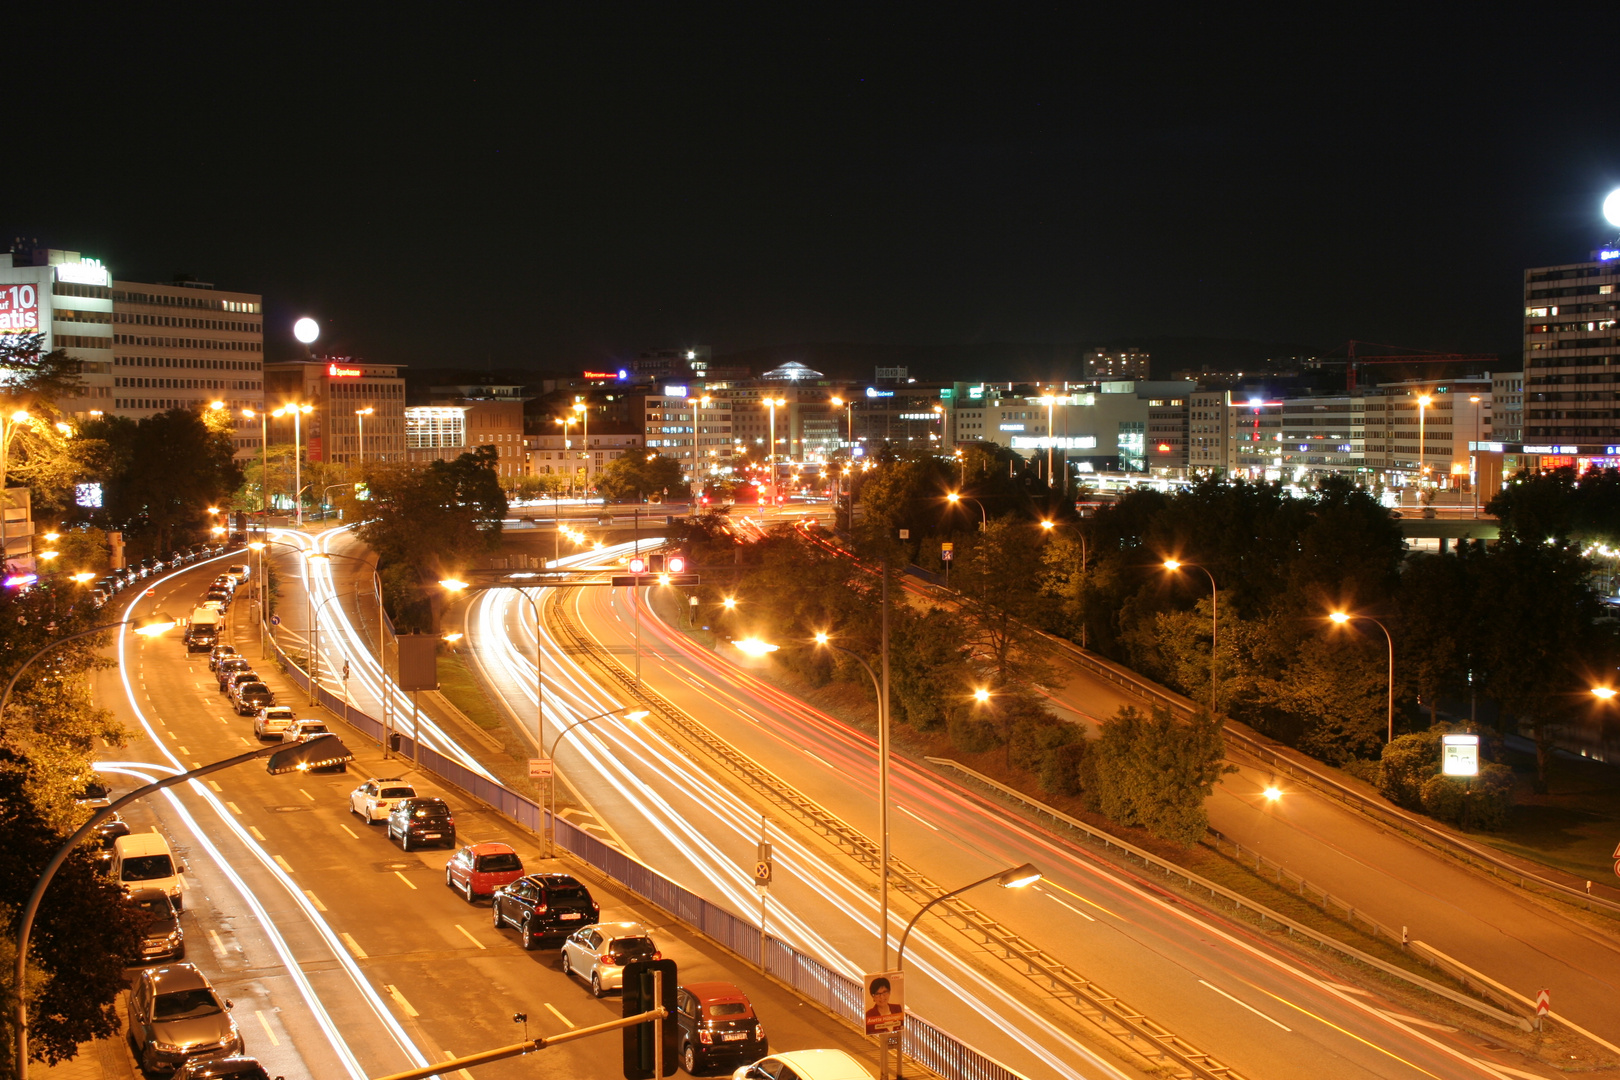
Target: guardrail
<point>1238,900</point>
<point>924,1043</point>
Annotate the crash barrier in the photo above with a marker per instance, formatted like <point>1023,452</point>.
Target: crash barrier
<point>922,1042</point>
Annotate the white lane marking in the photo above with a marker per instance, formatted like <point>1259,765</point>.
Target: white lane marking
<point>348,830</point>
<point>312,899</point>
<point>282,863</point>
<point>1246,1005</point>
<point>1070,906</point>
<point>234,808</point>
<point>745,716</point>
<point>909,814</point>
<point>215,785</point>
<point>403,878</point>
<point>469,937</point>
<point>306,794</point>
<point>218,945</point>
<point>257,835</point>
<point>1416,1020</point>
<point>448,1056</point>
<point>559,1015</point>
<point>400,998</point>
<point>271,1035</point>
<point>243,741</point>
<point>354,946</point>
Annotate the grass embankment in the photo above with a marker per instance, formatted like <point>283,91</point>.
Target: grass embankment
<point>461,687</point>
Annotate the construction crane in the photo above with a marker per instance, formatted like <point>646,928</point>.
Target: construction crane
<point>1354,363</point>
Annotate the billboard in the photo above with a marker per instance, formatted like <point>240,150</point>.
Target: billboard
<point>19,309</point>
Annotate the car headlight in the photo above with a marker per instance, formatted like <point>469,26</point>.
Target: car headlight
<point>165,1048</point>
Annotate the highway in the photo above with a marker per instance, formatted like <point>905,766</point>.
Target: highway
<point>346,956</point>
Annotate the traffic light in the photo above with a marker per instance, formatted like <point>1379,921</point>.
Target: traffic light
<point>675,563</point>
<point>640,1040</point>
<point>638,564</point>
<point>655,562</point>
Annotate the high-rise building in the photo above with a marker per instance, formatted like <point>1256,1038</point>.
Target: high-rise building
<point>338,388</point>
<point>187,344</point>
<point>1572,351</point>
<point>1507,407</point>
<point>1126,364</point>
<point>69,299</point>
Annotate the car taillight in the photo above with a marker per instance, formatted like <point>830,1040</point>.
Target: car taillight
<point>658,956</point>
<point>705,1037</point>
<point>540,908</point>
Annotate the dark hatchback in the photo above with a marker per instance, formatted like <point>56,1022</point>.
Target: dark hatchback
<point>542,906</point>
<point>251,697</point>
<point>161,935</point>
<point>422,821</point>
<point>717,1026</point>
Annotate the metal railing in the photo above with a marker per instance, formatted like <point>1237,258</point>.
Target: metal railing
<point>924,1043</point>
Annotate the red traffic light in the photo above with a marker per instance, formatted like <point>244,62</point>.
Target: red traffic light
<point>638,565</point>
<point>676,564</point>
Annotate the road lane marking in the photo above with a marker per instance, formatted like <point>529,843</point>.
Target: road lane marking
<point>1325,1022</point>
<point>403,878</point>
<point>244,741</point>
<point>306,795</point>
<point>1404,1018</point>
<point>219,946</point>
<point>348,830</point>
<point>1080,898</point>
<point>469,937</point>
<point>215,785</point>
<point>1070,906</point>
<point>745,716</point>
<point>183,750</point>
<point>173,736</point>
<point>400,998</point>
<point>354,947</point>
<point>559,1015</point>
<point>266,1025</point>
<point>282,863</point>
<point>1246,1005</point>
<point>909,814</point>
<point>312,899</point>
<point>234,808</point>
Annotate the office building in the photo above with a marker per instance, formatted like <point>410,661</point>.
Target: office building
<point>1127,364</point>
<point>1572,352</point>
<point>443,432</point>
<point>69,299</point>
<point>1507,407</point>
<point>1208,412</point>
<point>694,429</point>
<point>338,388</point>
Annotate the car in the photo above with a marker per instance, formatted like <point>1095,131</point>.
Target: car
<point>106,835</point>
<point>161,935</point>
<point>806,1065</point>
<point>418,820</point>
<point>372,800</point>
<point>543,905</point>
<point>300,730</point>
<point>99,596</point>
<point>238,572</point>
<point>218,596</point>
<point>717,1025</point>
<point>225,582</point>
<point>235,1067</point>
<point>236,677</point>
<point>479,869</point>
<point>598,953</point>
<point>270,722</point>
<point>229,666</point>
<point>93,794</point>
<point>175,1015</point>
<point>249,697</point>
<point>221,653</point>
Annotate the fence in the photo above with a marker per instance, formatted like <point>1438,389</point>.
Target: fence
<point>922,1042</point>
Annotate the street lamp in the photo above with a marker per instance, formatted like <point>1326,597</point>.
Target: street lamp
<point>1341,618</point>
<point>565,420</point>
<point>1173,565</point>
<point>297,412</point>
<point>1423,405</point>
<point>984,519</point>
<point>1604,693</point>
<point>323,750</point>
<point>551,801</point>
<point>144,625</point>
<point>584,412</point>
<point>360,417</point>
<point>1051,403</point>
<point>1473,459</point>
<point>774,403</point>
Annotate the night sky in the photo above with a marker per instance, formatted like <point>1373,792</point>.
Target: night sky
<point>465,185</point>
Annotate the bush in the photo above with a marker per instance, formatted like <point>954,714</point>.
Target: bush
<point>1406,766</point>
<point>1487,799</point>
<point>969,733</point>
<point>1061,769</point>
<point>1370,771</point>
<point>1155,772</point>
<point>1036,737</point>
<point>1442,798</point>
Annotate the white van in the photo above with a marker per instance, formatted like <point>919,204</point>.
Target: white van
<point>144,861</point>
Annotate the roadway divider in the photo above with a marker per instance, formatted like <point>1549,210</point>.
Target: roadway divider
<point>1238,900</point>
<point>925,1044</point>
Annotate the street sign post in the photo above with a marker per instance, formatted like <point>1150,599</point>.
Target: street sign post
<point>540,768</point>
<point>1543,1007</point>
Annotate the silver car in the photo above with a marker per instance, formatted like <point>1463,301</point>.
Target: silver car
<point>174,1016</point>
<point>598,953</point>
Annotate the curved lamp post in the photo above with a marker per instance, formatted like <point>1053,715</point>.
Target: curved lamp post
<point>1340,618</point>
<point>1173,565</point>
<point>455,587</point>
<point>551,800</point>
<point>984,519</point>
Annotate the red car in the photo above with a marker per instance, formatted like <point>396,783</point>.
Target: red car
<point>479,869</point>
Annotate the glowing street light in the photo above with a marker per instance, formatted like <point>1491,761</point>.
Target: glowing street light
<point>1174,565</point>
<point>360,418</point>
<point>1341,618</point>
<point>755,647</point>
<point>1604,693</point>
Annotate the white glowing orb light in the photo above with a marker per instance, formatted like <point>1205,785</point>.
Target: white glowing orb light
<point>1611,207</point>
<point>306,330</point>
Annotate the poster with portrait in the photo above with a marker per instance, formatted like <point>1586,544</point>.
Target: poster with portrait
<point>885,1002</point>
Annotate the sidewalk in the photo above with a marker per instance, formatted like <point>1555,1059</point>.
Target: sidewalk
<point>103,1059</point>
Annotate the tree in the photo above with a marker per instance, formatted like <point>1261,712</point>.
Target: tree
<point>637,476</point>
<point>160,474</point>
<point>999,576</point>
<point>1155,772</point>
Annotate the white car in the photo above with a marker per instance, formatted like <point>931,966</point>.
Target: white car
<point>271,721</point>
<point>239,572</point>
<point>372,800</point>
<point>299,730</point>
<point>806,1065</point>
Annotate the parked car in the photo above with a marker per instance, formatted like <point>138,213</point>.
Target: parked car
<point>372,800</point>
<point>270,722</point>
<point>806,1065</point>
<point>93,794</point>
<point>106,835</point>
<point>717,1026</point>
<point>161,935</point>
<point>598,953</point>
<point>229,666</point>
<point>174,1015</point>
<point>236,678</point>
<point>479,869</point>
<point>418,820</point>
<point>224,581</point>
<point>250,697</point>
<point>299,730</point>
<point>235,1067</point>
<point>218,596</point>
<point>543,905</point>
<point>145,861</point>
<point>221,653</point>
<point>239,572</point>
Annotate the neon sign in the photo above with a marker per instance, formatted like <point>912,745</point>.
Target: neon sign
<point>84,272</point>
<point>335,372</point>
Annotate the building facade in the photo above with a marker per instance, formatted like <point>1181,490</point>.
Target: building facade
<point>1128,364</point>
<point>444,432</point>
<point>1507,406</point>
<point>339,389</point>
<point>1572,351</point>
<point>69,299</point>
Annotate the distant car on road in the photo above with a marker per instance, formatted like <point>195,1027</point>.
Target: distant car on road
<point>599,953</point>
<point>372,800</point>
<point>230,666</point>
<point>416,821</point>
<point>221,653</point>
<point>251,696</point>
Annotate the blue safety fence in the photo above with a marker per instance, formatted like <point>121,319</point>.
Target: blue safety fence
<point>841,995</point>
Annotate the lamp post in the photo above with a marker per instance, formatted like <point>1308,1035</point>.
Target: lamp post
<point>1423,407</point>
<point>360,418</point>
<point>1473,459</point>
<point>565,420</point>
<point>551,800</point>
<point>327,557</point>
<point>9,426</point>
<point>1051,438</point>
<point>774,403</point>
<point>297,412</point>
<point>145,625</point>
<point>584,412</point>
<point>455,588</point>
<point>316,752</point>
<point>984,519</point>
<point>1340,618</point>
<point>264,454</point>
<point>1049,526</point>
<point>1173,565</point>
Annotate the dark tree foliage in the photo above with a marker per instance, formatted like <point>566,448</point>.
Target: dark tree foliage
<point>635,478</point>
<point>1557,505</point>
<point>34,378</point>
<point>83,933</point>
<point>1154,771</point>
<point>160,474</point>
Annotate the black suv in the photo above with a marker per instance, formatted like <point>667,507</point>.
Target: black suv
<point>544,905</point>
<point>422,821</point>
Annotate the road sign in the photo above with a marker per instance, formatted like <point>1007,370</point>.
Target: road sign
<point>540,768</point>
<point>946,551</point>
<point>1543,1003</point>
<point>763,864</point>
<point>762,873</point>
<point>275,620</point>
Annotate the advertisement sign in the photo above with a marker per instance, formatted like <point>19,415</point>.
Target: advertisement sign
<point>885,1002</point>
<point>333,371</point>
<point>1459,755</point>
<point>19,309</point>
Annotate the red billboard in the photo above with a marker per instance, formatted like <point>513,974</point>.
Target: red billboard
<point>19,309</point>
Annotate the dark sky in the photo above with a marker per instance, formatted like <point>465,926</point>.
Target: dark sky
<point>458,184</point>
